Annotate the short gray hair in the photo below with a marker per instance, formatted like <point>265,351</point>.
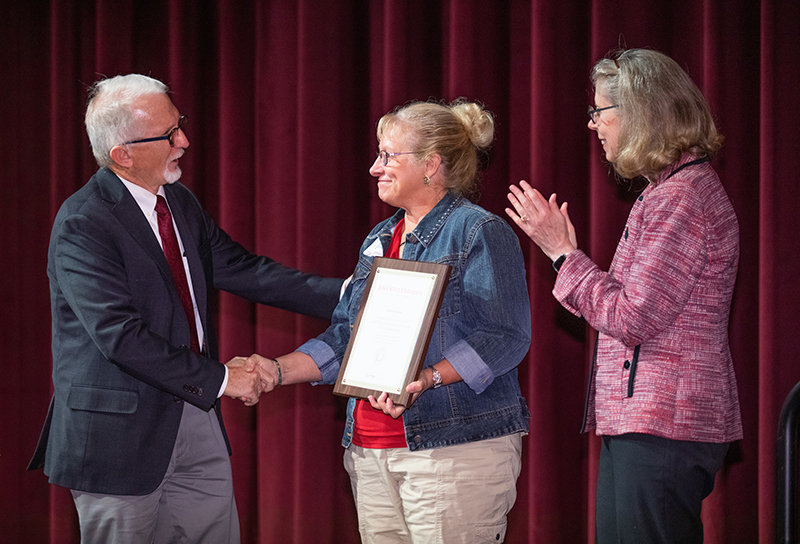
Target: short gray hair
<point>109,112</point>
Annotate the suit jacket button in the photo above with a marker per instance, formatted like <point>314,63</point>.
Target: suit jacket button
<point>176,400</point>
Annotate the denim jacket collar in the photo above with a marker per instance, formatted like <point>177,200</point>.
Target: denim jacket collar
<point>431,224</point>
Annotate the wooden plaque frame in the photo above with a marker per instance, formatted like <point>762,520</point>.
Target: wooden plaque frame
<point>360,352</point>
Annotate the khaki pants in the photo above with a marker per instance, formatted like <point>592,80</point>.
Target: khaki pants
<point>442,495</point>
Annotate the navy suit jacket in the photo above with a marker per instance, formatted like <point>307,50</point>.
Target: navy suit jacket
<point>121,366</point>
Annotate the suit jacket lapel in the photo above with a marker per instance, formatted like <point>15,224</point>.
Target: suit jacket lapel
<point>129,215</point>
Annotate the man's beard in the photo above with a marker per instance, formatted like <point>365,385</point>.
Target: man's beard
<point>171,176</point>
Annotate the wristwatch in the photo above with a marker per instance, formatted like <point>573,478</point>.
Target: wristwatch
<point>437,378</point>
<point>558,262</point>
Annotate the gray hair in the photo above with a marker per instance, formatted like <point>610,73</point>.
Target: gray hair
<point>662,113</point>
<point>109,112</point>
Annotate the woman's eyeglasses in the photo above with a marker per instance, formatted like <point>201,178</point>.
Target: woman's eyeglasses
<point>594,112</point>
<point>384,156</point>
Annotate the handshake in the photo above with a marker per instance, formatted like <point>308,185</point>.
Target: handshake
<point>249,377</point>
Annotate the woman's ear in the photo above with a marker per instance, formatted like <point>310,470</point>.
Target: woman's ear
<point>432,165</point>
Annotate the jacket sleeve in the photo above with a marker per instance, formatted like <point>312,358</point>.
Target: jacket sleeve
<point>494,299</point>
<point>659,268</point>
<point>263,280</point>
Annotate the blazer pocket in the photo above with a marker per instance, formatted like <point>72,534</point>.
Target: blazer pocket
<point>102,399</point>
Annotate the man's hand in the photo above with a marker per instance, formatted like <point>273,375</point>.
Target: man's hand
<point>244,381</point>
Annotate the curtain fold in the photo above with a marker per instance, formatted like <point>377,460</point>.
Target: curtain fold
<point>283,100</point>
<point>777,240</point>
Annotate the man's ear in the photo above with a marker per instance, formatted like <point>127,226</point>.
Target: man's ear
<point>119,154</point>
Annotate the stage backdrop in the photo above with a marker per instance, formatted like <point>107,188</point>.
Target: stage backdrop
<point>282,98</point>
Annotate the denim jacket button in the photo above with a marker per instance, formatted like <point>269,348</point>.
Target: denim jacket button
<point>417,439</point>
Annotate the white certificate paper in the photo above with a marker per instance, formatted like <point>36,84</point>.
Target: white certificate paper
<point>393,328</point>
<point>393,316</point>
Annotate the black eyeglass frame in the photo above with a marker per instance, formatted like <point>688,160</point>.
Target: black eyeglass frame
<point>169,136</point>
<point>385,155</point>
<point>594,111</point>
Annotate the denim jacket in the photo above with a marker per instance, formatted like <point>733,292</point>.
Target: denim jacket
<point>483,328</point>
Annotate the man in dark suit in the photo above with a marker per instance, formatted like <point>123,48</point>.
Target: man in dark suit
<point>134,427</point>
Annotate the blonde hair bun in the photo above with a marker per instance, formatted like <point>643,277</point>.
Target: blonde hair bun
<point>478,122</point>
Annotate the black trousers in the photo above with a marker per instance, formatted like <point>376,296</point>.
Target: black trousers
<point>650,489</point>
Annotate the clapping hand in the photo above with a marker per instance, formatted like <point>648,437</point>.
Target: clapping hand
<point>544,221</point>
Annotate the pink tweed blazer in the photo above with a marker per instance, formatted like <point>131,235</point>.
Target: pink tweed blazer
<point>663,365</point>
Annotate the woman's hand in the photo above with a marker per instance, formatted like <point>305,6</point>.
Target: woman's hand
<point>547,224</point>
<point>385,404</point>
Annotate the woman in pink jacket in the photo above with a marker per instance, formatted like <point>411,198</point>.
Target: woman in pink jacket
<point>663,392</point>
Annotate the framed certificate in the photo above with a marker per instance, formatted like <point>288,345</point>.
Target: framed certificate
<point>393,328</point>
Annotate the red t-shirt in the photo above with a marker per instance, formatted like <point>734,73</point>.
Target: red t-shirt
<point>374,429</point>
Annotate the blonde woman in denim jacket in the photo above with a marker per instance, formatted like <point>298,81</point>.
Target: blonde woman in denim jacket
<point>444,469</point>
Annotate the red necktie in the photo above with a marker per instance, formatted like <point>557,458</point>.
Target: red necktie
<point>173,254</point>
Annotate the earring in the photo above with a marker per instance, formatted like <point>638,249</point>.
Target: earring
<point>427,181</point>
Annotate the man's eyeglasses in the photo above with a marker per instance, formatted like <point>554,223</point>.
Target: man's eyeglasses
<point>170,136</point>
<point>594,113</point>
<point>384,156</point>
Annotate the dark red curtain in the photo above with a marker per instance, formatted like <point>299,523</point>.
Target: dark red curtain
<point>282,98</point>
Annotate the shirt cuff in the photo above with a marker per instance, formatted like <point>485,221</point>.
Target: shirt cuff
<point>224,383</point>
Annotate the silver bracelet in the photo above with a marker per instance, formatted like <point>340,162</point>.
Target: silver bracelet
<point>280,374</point>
